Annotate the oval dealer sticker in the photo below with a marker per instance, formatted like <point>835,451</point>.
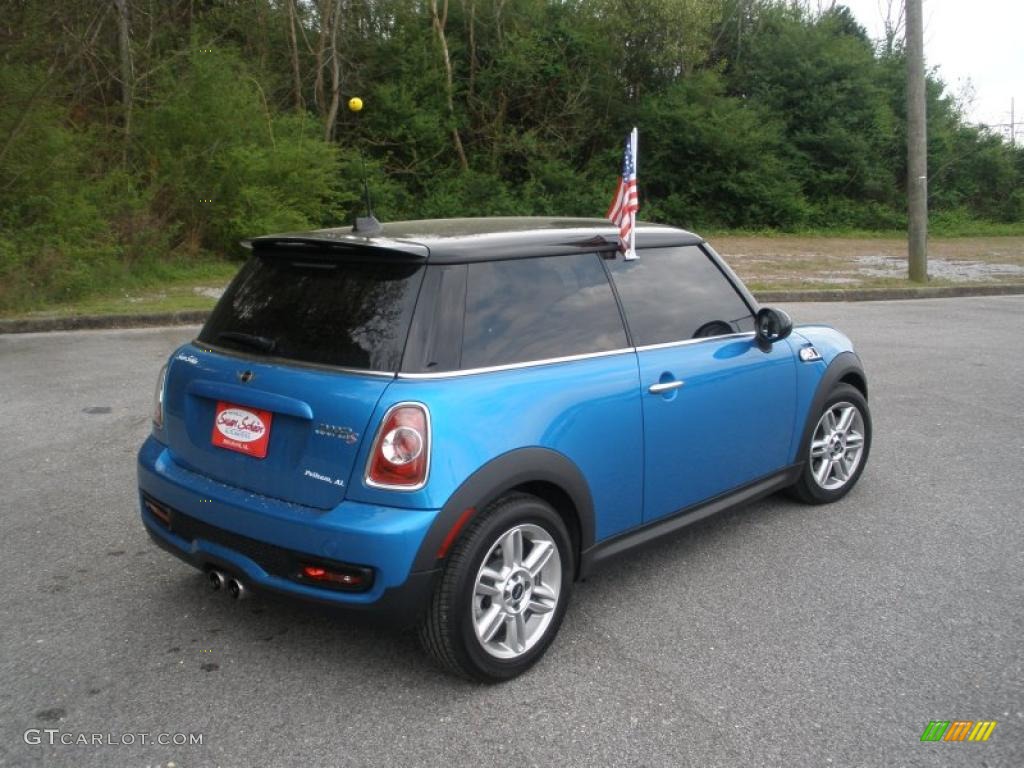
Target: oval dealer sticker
<point>246,430</point>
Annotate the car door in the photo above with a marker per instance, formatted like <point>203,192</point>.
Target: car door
<point>718,409</point>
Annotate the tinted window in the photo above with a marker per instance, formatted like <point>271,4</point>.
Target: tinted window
<point>435,338</point>
<point>534,309</point>
<point>335,311</point>
<point>672,294</point>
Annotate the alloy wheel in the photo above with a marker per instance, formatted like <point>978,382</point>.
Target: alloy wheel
<point>516,591</point>
<point>837,446</point>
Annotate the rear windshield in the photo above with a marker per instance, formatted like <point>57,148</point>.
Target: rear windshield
<point>335,311</point>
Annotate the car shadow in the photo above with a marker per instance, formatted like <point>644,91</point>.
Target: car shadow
<point>272,628</point>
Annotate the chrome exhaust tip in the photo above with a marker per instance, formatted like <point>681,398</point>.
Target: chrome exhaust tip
<point>218,580</point>
<point>237,589</point>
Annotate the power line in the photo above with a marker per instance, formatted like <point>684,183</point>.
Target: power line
<point>1010,128</point>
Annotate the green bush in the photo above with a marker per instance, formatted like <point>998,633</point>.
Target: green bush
<point>226,167</point>
<point>708,159</point>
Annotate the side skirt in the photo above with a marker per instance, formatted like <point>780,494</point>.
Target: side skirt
<point>604,551</point>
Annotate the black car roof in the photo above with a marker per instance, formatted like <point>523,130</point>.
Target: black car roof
<point>448,241</point>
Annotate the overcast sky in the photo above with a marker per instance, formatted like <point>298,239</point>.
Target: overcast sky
<point>976,41</point>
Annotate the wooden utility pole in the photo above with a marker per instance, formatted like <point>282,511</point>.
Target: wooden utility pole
<point>917,146</point>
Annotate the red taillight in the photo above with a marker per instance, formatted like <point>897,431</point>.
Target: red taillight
<point>400,457</point>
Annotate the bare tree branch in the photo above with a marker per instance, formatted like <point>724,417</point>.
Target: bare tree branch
<point>332,113</point>
<point>440,21</point>
<point>52,72</point>
<point>293,41</point>
<point>124,47</point>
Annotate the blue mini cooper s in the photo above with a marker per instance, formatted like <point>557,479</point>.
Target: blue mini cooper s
<point>450,422</point>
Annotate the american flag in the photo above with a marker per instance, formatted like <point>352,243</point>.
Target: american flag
<point>622,212</point>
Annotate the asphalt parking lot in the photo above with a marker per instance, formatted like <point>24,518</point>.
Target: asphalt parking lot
<point>779,634</point>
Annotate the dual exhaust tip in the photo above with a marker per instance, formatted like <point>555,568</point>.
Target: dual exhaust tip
<point>221,582</point>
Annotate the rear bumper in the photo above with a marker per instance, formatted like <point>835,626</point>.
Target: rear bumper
<point>255,538</point>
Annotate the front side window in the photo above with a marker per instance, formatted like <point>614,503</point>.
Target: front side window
<point>675,294</point>
<point>524,310</point>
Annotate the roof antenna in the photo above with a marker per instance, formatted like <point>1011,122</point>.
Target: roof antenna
<point>368,224</point>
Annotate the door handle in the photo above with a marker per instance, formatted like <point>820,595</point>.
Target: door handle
<point>664,386</point>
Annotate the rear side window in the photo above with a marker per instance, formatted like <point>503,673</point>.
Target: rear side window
<point>535,309</point>
<point>674,294</point>
<point>331,311</point>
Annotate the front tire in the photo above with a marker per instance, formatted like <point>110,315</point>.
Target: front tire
<point>503,592</point>
<point>838,449</point>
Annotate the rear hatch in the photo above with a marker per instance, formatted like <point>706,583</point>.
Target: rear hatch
<point>276,394</point>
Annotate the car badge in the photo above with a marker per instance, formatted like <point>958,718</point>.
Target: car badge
<point>349,435</point>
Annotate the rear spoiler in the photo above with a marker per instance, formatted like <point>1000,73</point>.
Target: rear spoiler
<point>339,244</point>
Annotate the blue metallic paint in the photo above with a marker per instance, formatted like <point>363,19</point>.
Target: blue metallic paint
<point>314,396</point>
<point>829,342</point>
<point>729,424</point>
<point>587,410</point>
<point>593,411</point>
<point>385,538</point>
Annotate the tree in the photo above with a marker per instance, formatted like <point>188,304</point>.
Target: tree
<point>440,23</point>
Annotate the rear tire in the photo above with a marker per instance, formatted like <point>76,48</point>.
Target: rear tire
<point>838,449</point>
<point>503,591</point>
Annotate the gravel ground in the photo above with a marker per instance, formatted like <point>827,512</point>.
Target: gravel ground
<point>790,261</point>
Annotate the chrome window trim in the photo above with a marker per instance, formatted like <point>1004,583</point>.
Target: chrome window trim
<point>514,366</point>
<point>468,371</point>
<point>571,358</point>
<point>687,342</point>
<point>374,445</point>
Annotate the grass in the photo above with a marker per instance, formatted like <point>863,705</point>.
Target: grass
<point>174,288</point>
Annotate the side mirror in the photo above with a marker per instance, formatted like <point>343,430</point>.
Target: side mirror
<point>772,325</point>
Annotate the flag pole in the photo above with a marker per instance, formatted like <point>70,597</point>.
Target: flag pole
<point>634,139</point>
<point>625,202</point>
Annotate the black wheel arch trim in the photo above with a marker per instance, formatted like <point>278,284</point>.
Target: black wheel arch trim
<point>842,365</point>
<point>500,475</point>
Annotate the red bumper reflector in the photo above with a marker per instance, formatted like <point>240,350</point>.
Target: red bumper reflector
<point>454,532</point>
<point>316,573</point>
<point>159,512</point>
